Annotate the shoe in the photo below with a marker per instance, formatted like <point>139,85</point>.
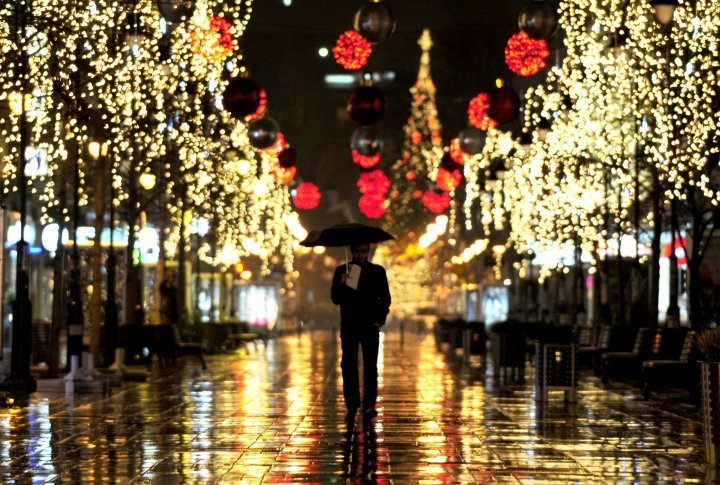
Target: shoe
<point>369,414</point>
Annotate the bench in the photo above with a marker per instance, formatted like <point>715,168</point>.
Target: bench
<point>650,344</point>
<point>583,335</point>
<point>240,334</point>
<point>215,337</point>
<point>617,338</point>
<point>164,341</point>
<point>680,370</point>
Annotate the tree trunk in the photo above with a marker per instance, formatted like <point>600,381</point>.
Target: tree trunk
<point>694,287</point>
<point>58,304</point>
<point>182,274</point>
<point>130,269</point>
<point>58,315</point>
<point>97,252</point>
<point>654,269</point>
<point>673,312</point>
<point>160,269</point>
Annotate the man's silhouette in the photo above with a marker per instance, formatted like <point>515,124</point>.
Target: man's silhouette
<point>362,312</point>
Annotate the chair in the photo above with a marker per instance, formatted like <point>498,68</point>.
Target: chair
<point>680,370</point>
<point>648,345</point>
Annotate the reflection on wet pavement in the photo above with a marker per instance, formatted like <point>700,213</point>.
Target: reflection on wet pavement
<point>277,416</point>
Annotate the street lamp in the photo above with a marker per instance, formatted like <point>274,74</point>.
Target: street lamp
<point>20,379</point>
<point>664,10</point>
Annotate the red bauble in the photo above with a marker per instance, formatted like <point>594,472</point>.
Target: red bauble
<point>306,196</point>
<point>276,148</point>
<point>435,202</point>
<point>283,175</point>
<point>211,38</point>
<point>365,161</point>
<point>526,56</point>
<point>410,175</point>
<point>287,158</point>
<point>367,106</point>
<point>448,180</point>
<point>478,112</point>
<point>374,182</point>
<point>504,105</point>
<point>243,97</point>
<point>457,153</point>
<point>352,50</point>
<point>373,205</point>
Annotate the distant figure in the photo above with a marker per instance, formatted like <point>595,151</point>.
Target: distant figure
<point>362,312</point>
<point>169,308</point>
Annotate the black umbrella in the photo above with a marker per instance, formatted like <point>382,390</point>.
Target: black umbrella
<point>346,235</point>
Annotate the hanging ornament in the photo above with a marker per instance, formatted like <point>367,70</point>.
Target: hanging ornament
<point>373,182</point>
<point>365,161</point>
<point>435,202</point>
<point>174,11</point>
<point>306,196</point>
<point>366,105</point>
<point>410,175</point>
<point>538,19</point>
<point>243,97</point>
<point>276,148</point>
<point>504,104</point>
<point>448,180</point>
<point>287,158</point>
<point>471,140</point>
<point>367,141</point>
<point>211,38</point>
<point>263,132</point>
<point>477,112</point>
<point>526,56</point>
<point>456,152</point>
<point>374,21</point>
<point>373,205</point>
<point>283,175</point>
<point>352,50</point>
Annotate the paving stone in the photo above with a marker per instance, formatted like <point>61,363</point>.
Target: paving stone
<point>276,416</point>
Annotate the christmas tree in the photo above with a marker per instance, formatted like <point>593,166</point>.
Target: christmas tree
<point>410,174</point>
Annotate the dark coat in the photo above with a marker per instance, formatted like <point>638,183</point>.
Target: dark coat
<point>169,308</point>
<point>369,303</point>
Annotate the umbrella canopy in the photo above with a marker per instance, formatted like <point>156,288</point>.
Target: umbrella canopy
<point>346,235</point>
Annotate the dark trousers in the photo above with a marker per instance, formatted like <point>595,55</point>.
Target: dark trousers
<point>369,339</point>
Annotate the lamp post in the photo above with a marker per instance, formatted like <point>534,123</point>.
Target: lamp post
<point>664,10</point>
<point>20,379</point>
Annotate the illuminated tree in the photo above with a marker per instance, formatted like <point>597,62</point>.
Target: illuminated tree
<point>410,174</point>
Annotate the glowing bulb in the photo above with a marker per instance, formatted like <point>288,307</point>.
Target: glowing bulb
<point>147,181</point>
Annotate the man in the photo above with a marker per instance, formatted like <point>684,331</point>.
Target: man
<point>363,311</point>
<point>169,308</point>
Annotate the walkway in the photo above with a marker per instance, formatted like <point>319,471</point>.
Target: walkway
<point>277,416</point>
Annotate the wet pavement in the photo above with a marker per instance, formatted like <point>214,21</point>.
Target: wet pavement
<point>276,415</point>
